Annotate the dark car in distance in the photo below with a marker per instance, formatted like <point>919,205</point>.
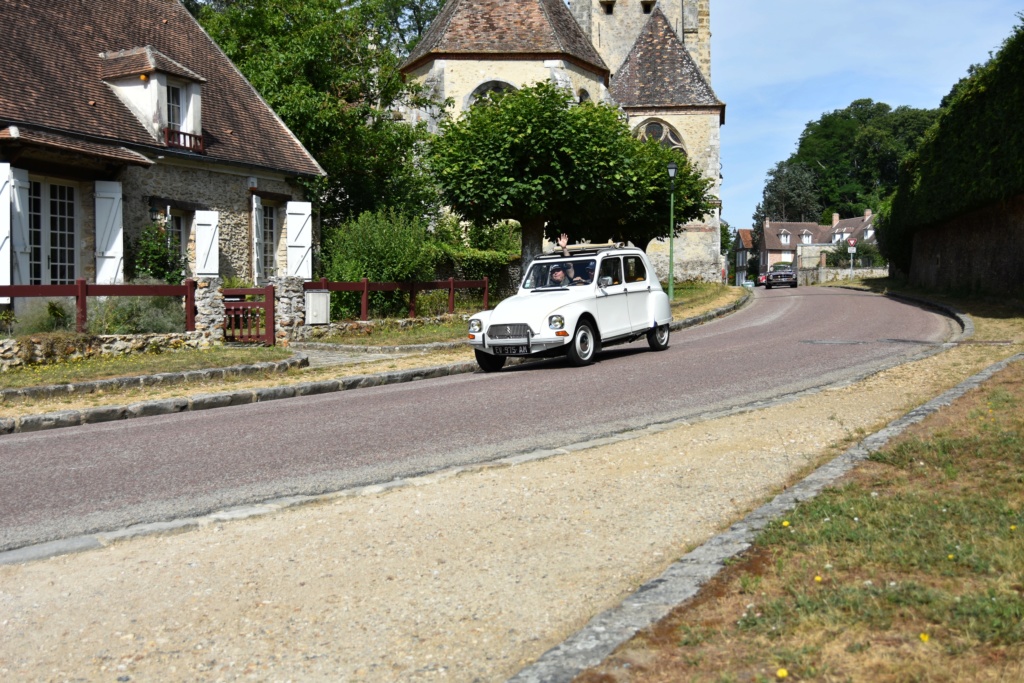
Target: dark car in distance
<point>780,275</point>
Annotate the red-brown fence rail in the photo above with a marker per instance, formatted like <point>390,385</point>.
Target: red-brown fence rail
<point>250,322</point>
<point>364,286</point>
<point>82,290</point>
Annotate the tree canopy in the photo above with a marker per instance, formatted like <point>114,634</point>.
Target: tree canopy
<point>330,71</point>
<point>845,162</point>
<point>534,156</point>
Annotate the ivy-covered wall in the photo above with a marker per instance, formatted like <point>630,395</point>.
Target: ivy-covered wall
<point>971,159</point>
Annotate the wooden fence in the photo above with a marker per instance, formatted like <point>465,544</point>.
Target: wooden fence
<point>364,287</point>
<point>82,290</point>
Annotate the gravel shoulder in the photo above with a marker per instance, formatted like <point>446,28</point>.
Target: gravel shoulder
<point>467,575</point>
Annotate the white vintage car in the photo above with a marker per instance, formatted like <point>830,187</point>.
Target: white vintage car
<point>575,305</point>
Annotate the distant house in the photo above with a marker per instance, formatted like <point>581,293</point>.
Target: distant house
<point>802,244</point>
<point>744,252</point>
<point>117,114</point>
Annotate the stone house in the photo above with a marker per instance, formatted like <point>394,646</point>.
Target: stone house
<point>804,244</point>
<point>115,115</point>
<point>652,59</point>
<point>744,251</point>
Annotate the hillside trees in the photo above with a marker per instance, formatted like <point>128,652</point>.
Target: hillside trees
<point>534,156</point>
<point>330,72</point>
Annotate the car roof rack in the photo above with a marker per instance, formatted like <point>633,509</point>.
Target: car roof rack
<point>583,249</point>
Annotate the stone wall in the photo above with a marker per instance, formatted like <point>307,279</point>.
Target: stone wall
<point>202,187</point>
<point>817,276</point>
<point>981,251</point>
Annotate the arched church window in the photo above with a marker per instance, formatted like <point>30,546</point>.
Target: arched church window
<point>662,132</point>
<point>584,96</point>
<point>487,87</point>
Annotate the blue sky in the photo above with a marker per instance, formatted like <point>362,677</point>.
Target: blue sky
<point>778,64</point>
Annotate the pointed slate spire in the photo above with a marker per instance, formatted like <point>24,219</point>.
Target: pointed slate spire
<point>659,72</point>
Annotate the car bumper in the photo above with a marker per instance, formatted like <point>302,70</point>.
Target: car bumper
<point>518,346</point>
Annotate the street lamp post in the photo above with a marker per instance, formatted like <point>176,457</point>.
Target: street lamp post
<point>672,168</point>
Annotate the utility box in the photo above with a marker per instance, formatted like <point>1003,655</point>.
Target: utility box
<point>318,307</point>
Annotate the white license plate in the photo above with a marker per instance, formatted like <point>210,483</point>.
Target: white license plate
<point>511,350</point>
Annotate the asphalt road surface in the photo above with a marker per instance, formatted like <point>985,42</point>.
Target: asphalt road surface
<point>65,482</point>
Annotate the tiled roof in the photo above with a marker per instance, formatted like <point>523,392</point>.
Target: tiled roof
<point>746,238</point>
<point>37,138</point>
<point>659,72</point>
<point>142,60</point>
<point>53,79</point>
<point>503,29</point>
<point>773,231</point>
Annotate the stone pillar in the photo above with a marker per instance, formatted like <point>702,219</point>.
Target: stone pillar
<point>209,310</point>
<point>289,309</point>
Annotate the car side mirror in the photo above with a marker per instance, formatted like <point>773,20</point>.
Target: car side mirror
<point>604,281</point>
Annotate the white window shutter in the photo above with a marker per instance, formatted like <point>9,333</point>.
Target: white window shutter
<point>109,234</point>
<point>257,241</point>
<point>19,226</point>
<point>6,207</point>
<point>300,239</point>
<point>207,244</point>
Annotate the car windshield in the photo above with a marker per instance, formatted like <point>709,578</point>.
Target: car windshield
<point>558,274</point>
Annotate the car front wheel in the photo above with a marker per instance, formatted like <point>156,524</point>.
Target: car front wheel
<point>584,345</point>
<point>657,337</point>
<point>489,363</point>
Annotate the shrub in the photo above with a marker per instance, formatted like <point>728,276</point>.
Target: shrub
<point>44,315</point>
<point>383,247</point>
<point>136,315</point>
<point>155,254</point>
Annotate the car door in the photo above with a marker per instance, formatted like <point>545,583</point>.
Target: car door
<point>638,291</point>
<point>612,305</point>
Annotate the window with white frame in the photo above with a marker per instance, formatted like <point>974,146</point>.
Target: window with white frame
<point>787,256</point>
<point>179,230</point>
<point>52,233</point>
<point>869,233</point>
<point>806,238</point>
<point>175,107</point>
<point>784,237</point>
<point>271,233</point>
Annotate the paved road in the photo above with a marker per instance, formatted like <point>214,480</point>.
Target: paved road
<point>79,480</point>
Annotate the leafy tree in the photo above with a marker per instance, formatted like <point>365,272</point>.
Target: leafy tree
<point>855,153</point>
<point>330,71</point>
<point>534,156</point>
<point>155,254</point>
<point>727,237</point>
<point>790,195</point>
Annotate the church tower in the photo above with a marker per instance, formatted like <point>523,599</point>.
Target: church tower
<point>614,25</point>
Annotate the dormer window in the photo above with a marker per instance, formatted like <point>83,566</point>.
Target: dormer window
<point>806,238</point>
<point>869,233</point>
<point>784,237</point>
<point>164,95</point>
<point>647,5</point>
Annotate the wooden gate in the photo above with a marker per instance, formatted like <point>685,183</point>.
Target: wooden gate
<point>246,319</point>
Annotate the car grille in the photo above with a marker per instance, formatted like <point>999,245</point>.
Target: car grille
<point>508,331</point>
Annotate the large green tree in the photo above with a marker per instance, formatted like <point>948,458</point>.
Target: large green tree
<point>330,71</point>
<point>846,161</point>
<point>534,156</point>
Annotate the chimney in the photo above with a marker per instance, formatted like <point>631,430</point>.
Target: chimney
<point>766,223</point>
<point>835,219</point>
<point>867,215</point>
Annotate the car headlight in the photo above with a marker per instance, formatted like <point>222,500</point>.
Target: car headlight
<point>475,326</point>
<point>556,322</point>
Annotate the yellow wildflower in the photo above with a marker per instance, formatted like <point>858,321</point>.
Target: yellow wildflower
<point>924,637</point>
<point>781,673</point>
<point>785,523</point>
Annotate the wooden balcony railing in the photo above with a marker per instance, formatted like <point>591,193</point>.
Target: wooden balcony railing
<point>183,140</point>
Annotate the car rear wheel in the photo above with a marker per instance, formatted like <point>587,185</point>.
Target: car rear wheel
<point>584,345</point>
<point>489,363</point>
<point>657,337</point>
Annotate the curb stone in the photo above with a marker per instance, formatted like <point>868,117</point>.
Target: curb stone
<point>71,418</point>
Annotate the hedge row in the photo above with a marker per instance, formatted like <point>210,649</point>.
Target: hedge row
<point>973,156</point>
